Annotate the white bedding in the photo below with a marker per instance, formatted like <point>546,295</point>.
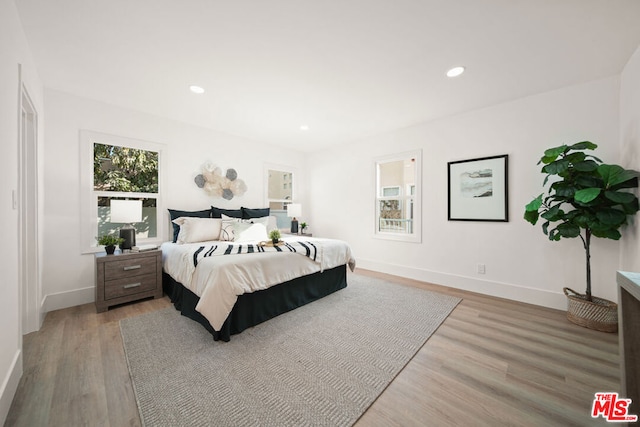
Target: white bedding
<point>218,280</point>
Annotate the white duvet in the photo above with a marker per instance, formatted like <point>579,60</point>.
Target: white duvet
<point>218,280</point>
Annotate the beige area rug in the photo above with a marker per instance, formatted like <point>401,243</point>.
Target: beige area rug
<point>322,364</point>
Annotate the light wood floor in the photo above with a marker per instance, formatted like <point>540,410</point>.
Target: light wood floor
<point>492,362</point>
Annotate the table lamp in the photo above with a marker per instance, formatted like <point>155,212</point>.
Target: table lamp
<point>294,210</point>
<point>127,212</point>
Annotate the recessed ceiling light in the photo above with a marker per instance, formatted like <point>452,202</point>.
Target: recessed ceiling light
<point>196,89</point>
<point>455,71</point>
<point>304,127</point>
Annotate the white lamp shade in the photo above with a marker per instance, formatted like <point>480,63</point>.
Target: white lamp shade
<point>126,211</point>
<point>294,210</point>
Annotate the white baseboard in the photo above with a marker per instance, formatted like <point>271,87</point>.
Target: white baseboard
<point>540,297</point>
<point>10,385</point>
<point>67,299</point>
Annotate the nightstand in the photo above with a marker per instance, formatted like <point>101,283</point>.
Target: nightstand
<point>127,277</point>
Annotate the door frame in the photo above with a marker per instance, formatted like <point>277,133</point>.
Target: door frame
<point>28,214</point>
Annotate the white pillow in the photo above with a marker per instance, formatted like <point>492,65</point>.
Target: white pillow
<point>263,220</point>
<point>227,232</point>
<point>198,229</point>
<point>247,232</point>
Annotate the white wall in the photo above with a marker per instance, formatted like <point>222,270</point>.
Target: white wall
<point>69,275</point>
<point>521,263</point>
<point>630,152</point>
<point>15,51</point>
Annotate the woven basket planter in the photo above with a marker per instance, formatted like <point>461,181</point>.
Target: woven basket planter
<point>599,314</point>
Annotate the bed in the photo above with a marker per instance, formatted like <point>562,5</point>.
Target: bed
<point>230,285</point>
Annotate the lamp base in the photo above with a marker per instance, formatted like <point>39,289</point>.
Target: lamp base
<point>294,226</point>
<point>129,235</point>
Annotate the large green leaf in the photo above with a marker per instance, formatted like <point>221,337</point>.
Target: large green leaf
<point>557,167</point>
<point>614,175</point>
<point>584,219</point>
<point>620,196</point>
<point>531,210</point>
<point>586,195</point>
<point>563,189</point>
<point>576,157</point>
<point>631,207</point>
<point>535,204</point>
<point>531,216</point>
<point>586,166</point>
<point>552,154</point>
<point>588,181</point>
<point>553,214</point>
<point>609,233</point>
<point>584,145</point>
<point>568,230</point>
<point>631,183</point>
<point>611,216</point>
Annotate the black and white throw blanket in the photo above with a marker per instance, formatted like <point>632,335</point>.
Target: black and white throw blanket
<point>307,248</point>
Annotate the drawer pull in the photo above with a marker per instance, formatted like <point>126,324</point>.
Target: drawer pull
<point>131,267</point>
<point>132,285</point>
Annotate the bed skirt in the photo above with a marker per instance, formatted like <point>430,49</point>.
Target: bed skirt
<point>257,307</point>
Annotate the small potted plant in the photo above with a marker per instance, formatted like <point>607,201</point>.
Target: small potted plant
<point>303,227</point>
<point>109,241</point>
<point>274,235</point>
<point>585,198</point>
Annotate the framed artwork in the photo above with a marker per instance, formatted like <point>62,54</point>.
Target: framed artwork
<point>478,189</point>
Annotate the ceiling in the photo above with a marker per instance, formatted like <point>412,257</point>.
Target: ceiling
<point>347,69</point>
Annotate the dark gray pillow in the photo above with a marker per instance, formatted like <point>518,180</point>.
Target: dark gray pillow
<point>248,213</point>
<point>218,212</point>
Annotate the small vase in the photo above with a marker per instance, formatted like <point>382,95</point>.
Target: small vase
<point>274,241</point>
<point>110,249</point>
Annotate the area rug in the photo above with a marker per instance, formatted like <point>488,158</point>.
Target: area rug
<point>322,364</point>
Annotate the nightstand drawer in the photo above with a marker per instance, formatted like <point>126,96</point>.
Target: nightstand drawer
<point>130,285</point>
<point>130,267</point>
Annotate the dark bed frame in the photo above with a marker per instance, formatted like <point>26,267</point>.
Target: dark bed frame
<point>257,307</point>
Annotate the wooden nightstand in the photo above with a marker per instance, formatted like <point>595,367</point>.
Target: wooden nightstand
<point>127,277</point>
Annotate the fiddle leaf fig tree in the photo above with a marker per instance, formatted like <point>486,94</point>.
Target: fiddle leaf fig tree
<point>585,197</point>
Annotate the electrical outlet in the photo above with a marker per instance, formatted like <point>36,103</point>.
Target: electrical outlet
<point>481,269</point>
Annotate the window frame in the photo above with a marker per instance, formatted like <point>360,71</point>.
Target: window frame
<point>293,175</point>
<point>405,197</point>
<point>89,196</point>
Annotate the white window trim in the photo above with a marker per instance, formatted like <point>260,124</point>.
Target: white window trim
<point>288,169</point>
<point>89,209</point>
<point>293,180</point>
<point>416,236</point>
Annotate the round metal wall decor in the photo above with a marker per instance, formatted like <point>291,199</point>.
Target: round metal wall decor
<point>217,185</point>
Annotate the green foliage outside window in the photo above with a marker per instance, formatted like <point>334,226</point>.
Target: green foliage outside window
<point>124,169</point>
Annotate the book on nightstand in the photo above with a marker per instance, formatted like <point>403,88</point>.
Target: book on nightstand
<point>143,248</point>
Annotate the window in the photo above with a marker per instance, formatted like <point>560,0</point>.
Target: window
<point>120,169</point>
<point>398,202</point>
<point>279,193</point>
